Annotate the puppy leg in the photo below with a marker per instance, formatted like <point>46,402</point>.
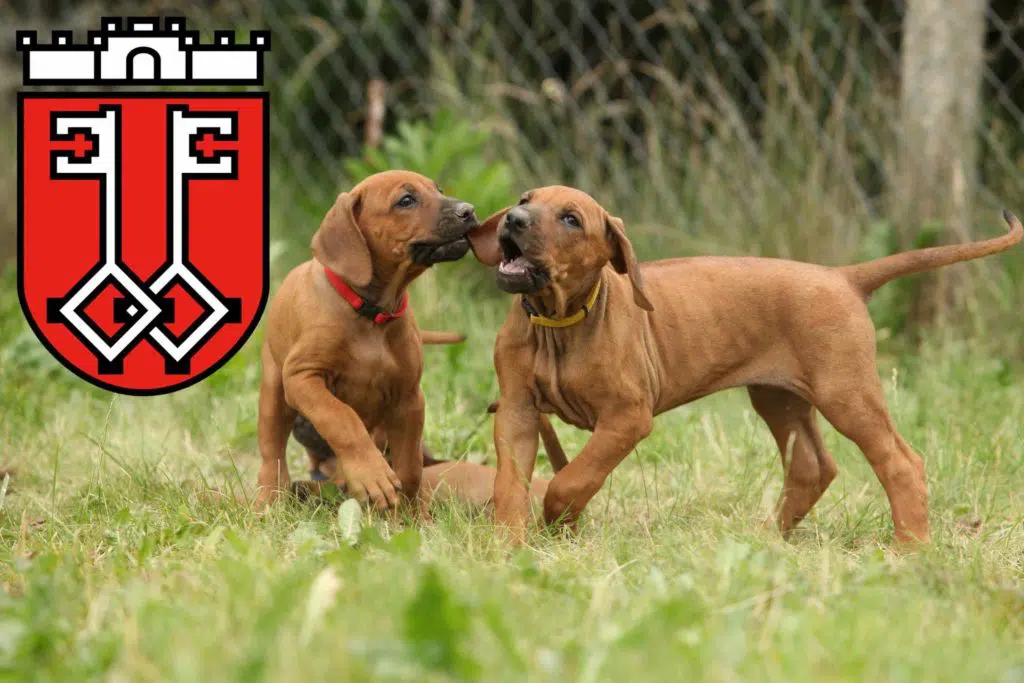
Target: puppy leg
<point>317,450</point>
<point>516,427</point>
<point>552,445</point>
<point>808,466</point>
<point>363,469</point>
<point>405,441</point>
<point>613,439</point>
<point>859,413</point>
<point>274,424</point>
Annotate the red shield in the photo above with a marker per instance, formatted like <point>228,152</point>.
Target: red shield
<point>143,232</point>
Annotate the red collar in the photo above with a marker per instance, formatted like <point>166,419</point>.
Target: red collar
<point>363,307</point>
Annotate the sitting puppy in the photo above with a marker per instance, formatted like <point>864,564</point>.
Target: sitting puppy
<point>606,344</point>
<point>340,346</point>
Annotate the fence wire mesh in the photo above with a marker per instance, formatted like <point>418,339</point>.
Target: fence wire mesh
<point>685,114</point>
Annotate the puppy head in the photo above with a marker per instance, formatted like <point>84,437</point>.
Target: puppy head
<point>392,220</point>
<point>556,238</point>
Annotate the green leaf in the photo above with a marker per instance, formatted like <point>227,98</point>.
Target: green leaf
<point>350,521</point>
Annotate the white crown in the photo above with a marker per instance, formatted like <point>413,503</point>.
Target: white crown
<point>143,54</point>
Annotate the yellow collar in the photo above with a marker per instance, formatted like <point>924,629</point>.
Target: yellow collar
<point>579,315</point>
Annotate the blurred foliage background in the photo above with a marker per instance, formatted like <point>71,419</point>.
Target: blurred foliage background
<point>824,131</point>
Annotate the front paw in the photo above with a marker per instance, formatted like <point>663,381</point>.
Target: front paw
<point>369,479</point>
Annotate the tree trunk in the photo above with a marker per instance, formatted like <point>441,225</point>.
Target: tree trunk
<point>942,62</point>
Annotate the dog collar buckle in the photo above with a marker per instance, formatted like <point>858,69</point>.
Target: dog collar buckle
<point>365,308</point>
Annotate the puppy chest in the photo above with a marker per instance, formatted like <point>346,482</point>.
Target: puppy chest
<point>373,379</point>
<point>564,395</point>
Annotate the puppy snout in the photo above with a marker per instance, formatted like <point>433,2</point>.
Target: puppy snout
<point>516,220</point>
<point>464,211</point>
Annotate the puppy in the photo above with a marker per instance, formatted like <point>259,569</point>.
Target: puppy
<point>342,349</point>
<point>607,343</point>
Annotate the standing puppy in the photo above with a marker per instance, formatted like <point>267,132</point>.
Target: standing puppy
<point>606,344</point>
<point>342,349</point>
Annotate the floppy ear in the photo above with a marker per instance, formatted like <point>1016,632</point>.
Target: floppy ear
<point>484,239</point>
<point>339,244</point>
<point>624,260</point>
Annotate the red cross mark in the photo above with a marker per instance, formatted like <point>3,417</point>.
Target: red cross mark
<point>79,145</point>
<point>208,146</point>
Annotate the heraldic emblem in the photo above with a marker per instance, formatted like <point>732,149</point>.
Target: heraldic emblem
<point>143,215</point>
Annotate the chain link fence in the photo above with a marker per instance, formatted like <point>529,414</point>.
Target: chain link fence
<point>727,122</point>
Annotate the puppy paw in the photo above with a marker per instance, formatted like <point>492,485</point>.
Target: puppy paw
<point>370,480</point>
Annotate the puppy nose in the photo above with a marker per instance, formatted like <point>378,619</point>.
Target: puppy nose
<point>516,220</point>
<point>464,210</point>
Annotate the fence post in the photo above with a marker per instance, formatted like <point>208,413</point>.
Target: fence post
<point>942,62</point>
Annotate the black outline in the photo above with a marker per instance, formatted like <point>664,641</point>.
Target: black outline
<point>69,154</point>
<point>110,367</point>
<point>264,97</point>
<point>20,35</point>
<point>152,22</point>
<point>123,303</point>
<point>129,66</point>
<point>172,27</point>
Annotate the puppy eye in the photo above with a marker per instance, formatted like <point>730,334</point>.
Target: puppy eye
<point>524,200</point>
<point>406,201</point>
<point>571,220</point>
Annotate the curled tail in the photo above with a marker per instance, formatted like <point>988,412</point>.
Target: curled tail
<point>429,337</point>
<point>869,276</point>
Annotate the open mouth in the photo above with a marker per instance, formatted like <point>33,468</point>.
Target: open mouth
<point>516,273</point>
<point>429,253</point>
<point>512,260</point>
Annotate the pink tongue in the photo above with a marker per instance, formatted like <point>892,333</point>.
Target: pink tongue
<point>516,266</point>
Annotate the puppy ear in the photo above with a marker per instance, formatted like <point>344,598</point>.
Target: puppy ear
<point>484,239</point>
<point>624,260</point>
<point>339,243</point>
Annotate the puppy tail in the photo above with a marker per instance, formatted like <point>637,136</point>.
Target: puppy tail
<point>552,445</point>
<point>429,337</point>
<point>869,276</point>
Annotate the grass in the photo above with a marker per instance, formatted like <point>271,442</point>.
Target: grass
<point>127,554</point>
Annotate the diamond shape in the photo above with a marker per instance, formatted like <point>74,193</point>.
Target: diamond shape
<point>98,310</point>
<point>189,311</point>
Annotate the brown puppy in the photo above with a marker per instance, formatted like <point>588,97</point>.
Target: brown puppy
<point>654,336</point>
<point>348,365</point>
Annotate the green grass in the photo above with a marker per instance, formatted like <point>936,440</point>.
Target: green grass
<point>120,563</point>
